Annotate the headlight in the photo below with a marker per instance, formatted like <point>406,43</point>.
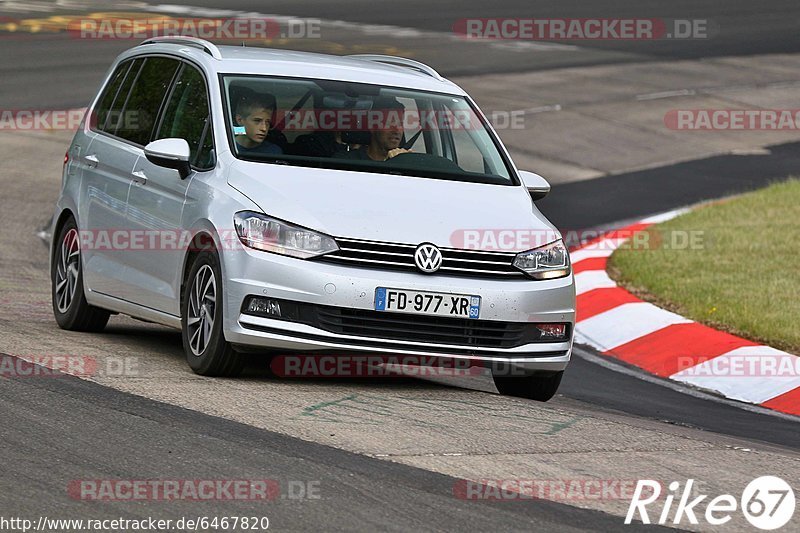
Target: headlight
<point>548,262</point>
<point>272,235</point>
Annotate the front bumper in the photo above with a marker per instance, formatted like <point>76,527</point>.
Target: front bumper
<point>249,272</point>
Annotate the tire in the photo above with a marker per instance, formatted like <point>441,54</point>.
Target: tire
<point>70,308</point>
<point>537,387</point>
<point>207,351</point>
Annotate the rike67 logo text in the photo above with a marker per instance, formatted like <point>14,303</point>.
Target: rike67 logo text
<point>768,503</point>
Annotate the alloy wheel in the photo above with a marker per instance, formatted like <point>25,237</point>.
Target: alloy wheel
<point>201,312</point>
<point>67,270</point>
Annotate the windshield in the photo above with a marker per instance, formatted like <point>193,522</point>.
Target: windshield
<point>361,127</point>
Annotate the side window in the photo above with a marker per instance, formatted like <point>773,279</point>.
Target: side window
<point>145,99</point>
<point>103,107</point>
<point>114,100</point>
<point>186,117</point>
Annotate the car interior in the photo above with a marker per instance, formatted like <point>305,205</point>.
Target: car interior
<point>468,152</point>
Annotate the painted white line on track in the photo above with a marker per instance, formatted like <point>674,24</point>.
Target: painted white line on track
<point>666,94</point>
<point>663,217</point>
<point>539,109</point>
<point>49,6</point>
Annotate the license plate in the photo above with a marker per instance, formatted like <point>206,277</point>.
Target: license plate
<point>427,303</point>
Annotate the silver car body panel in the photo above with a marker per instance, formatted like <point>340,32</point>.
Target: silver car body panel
<point>358,205</point>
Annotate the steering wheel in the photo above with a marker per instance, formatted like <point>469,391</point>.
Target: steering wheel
<point>424,161</point>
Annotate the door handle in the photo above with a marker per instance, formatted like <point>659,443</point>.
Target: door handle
<point>139,178</point>
<point>92,161</point>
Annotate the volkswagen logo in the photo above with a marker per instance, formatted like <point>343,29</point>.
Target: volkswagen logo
<point>428,258</point>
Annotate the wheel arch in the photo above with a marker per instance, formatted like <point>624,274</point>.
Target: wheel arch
<point>59,222</point>
<point>202,241</point>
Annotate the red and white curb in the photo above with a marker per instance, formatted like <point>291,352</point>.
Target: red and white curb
<point>620,325</point>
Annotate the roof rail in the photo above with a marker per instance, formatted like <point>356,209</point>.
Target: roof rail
<point>399,61</point>
<point>209,48</point>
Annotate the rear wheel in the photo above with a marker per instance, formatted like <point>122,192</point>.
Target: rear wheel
<point>207,351</point>
<point>537,387</point>
<point>70,308</point>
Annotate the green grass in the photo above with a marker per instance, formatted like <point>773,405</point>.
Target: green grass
<point>742,273</point>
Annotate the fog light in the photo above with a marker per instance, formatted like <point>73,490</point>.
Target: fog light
<point>264,306</point>
<point>552,331</point>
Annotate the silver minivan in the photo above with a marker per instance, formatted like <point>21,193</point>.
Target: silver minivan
<point>269,201</point>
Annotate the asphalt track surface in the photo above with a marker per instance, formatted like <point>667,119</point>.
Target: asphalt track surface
<point>603,201</point>
<point>744,27</point>
<point>52,428</point>
<point>33,76</point>
<point>146,439</point>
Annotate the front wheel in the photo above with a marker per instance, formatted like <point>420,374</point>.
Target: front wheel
<point>70,308</point>
<point>207,351</point>
<point>537,387</point>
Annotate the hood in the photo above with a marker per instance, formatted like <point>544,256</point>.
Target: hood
<point>391,208</point>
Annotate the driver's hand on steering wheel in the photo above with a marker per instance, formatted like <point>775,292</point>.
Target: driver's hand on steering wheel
<point>397,151</point>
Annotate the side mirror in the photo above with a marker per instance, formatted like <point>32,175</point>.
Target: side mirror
<point>537,186</point>
<point>170,153</point>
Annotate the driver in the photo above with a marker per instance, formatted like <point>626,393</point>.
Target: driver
<point>384,140</point>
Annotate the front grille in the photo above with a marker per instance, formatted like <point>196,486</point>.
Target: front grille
<point>410,328</point>
<point>396,256</point>
<point>429,329</point>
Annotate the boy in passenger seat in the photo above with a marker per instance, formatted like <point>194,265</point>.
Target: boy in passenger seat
<point>254,113</point>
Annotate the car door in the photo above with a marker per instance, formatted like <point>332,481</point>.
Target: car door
<point>121,142</point>
<point>158,195</point>
<point>105,164</point>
